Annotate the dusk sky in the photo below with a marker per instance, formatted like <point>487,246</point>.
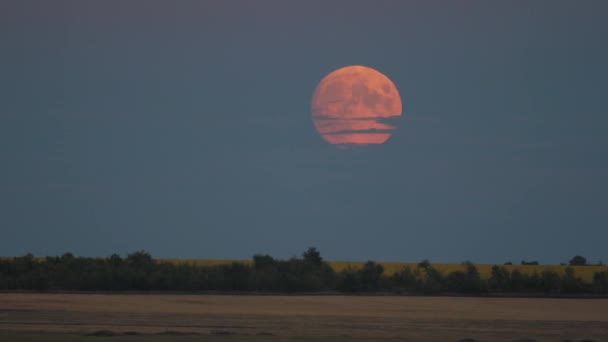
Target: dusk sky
<point>184,128</point>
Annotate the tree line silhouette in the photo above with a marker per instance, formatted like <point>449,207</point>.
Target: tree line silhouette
<point>308,273</point>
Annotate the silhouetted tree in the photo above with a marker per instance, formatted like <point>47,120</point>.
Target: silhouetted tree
<point>550,282</point>
<point>500,279</point>
<point>313,256</point>
<point>578,261</point>
<point>404,280</point>
<point>517,281</point>
<point>349,280</point>
<point>430,280</point>
<point>529,263</point>
<point>424,264</point>
<point>467,281</point>
<point>115,260</point>
<point>570,283</point>
<point>263,261</point>
<point>370,276</point>
<point>140,259</point>
<point>600,282</point>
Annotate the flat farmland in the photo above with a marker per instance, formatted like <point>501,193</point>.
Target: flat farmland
<point>141,317</point>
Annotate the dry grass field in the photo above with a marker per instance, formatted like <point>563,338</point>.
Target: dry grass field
<point>124,317</point>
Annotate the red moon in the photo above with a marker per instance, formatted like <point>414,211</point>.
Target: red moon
<point>350,107</point>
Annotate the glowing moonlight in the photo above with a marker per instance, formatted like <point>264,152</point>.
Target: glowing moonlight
<point>351,107</point>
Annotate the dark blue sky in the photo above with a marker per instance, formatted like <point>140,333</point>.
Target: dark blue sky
<point>183,128</point>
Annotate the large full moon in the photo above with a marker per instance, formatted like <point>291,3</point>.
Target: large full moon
<point>352,106</point>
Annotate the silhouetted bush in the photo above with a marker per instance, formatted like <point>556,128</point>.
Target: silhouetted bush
<point>578,261</point>
<point>524,262</point>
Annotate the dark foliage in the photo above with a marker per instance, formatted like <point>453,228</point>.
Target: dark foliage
<point>467,281</point>
<point>310,273</point>
<point>578,261</point>
<point>524,262</point>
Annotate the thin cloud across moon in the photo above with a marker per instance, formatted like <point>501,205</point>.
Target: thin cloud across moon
<point>354,105</point>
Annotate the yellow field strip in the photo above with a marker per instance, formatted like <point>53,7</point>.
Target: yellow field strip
<point>485,270</point>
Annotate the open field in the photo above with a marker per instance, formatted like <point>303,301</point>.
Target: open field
<point>71,317</point>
